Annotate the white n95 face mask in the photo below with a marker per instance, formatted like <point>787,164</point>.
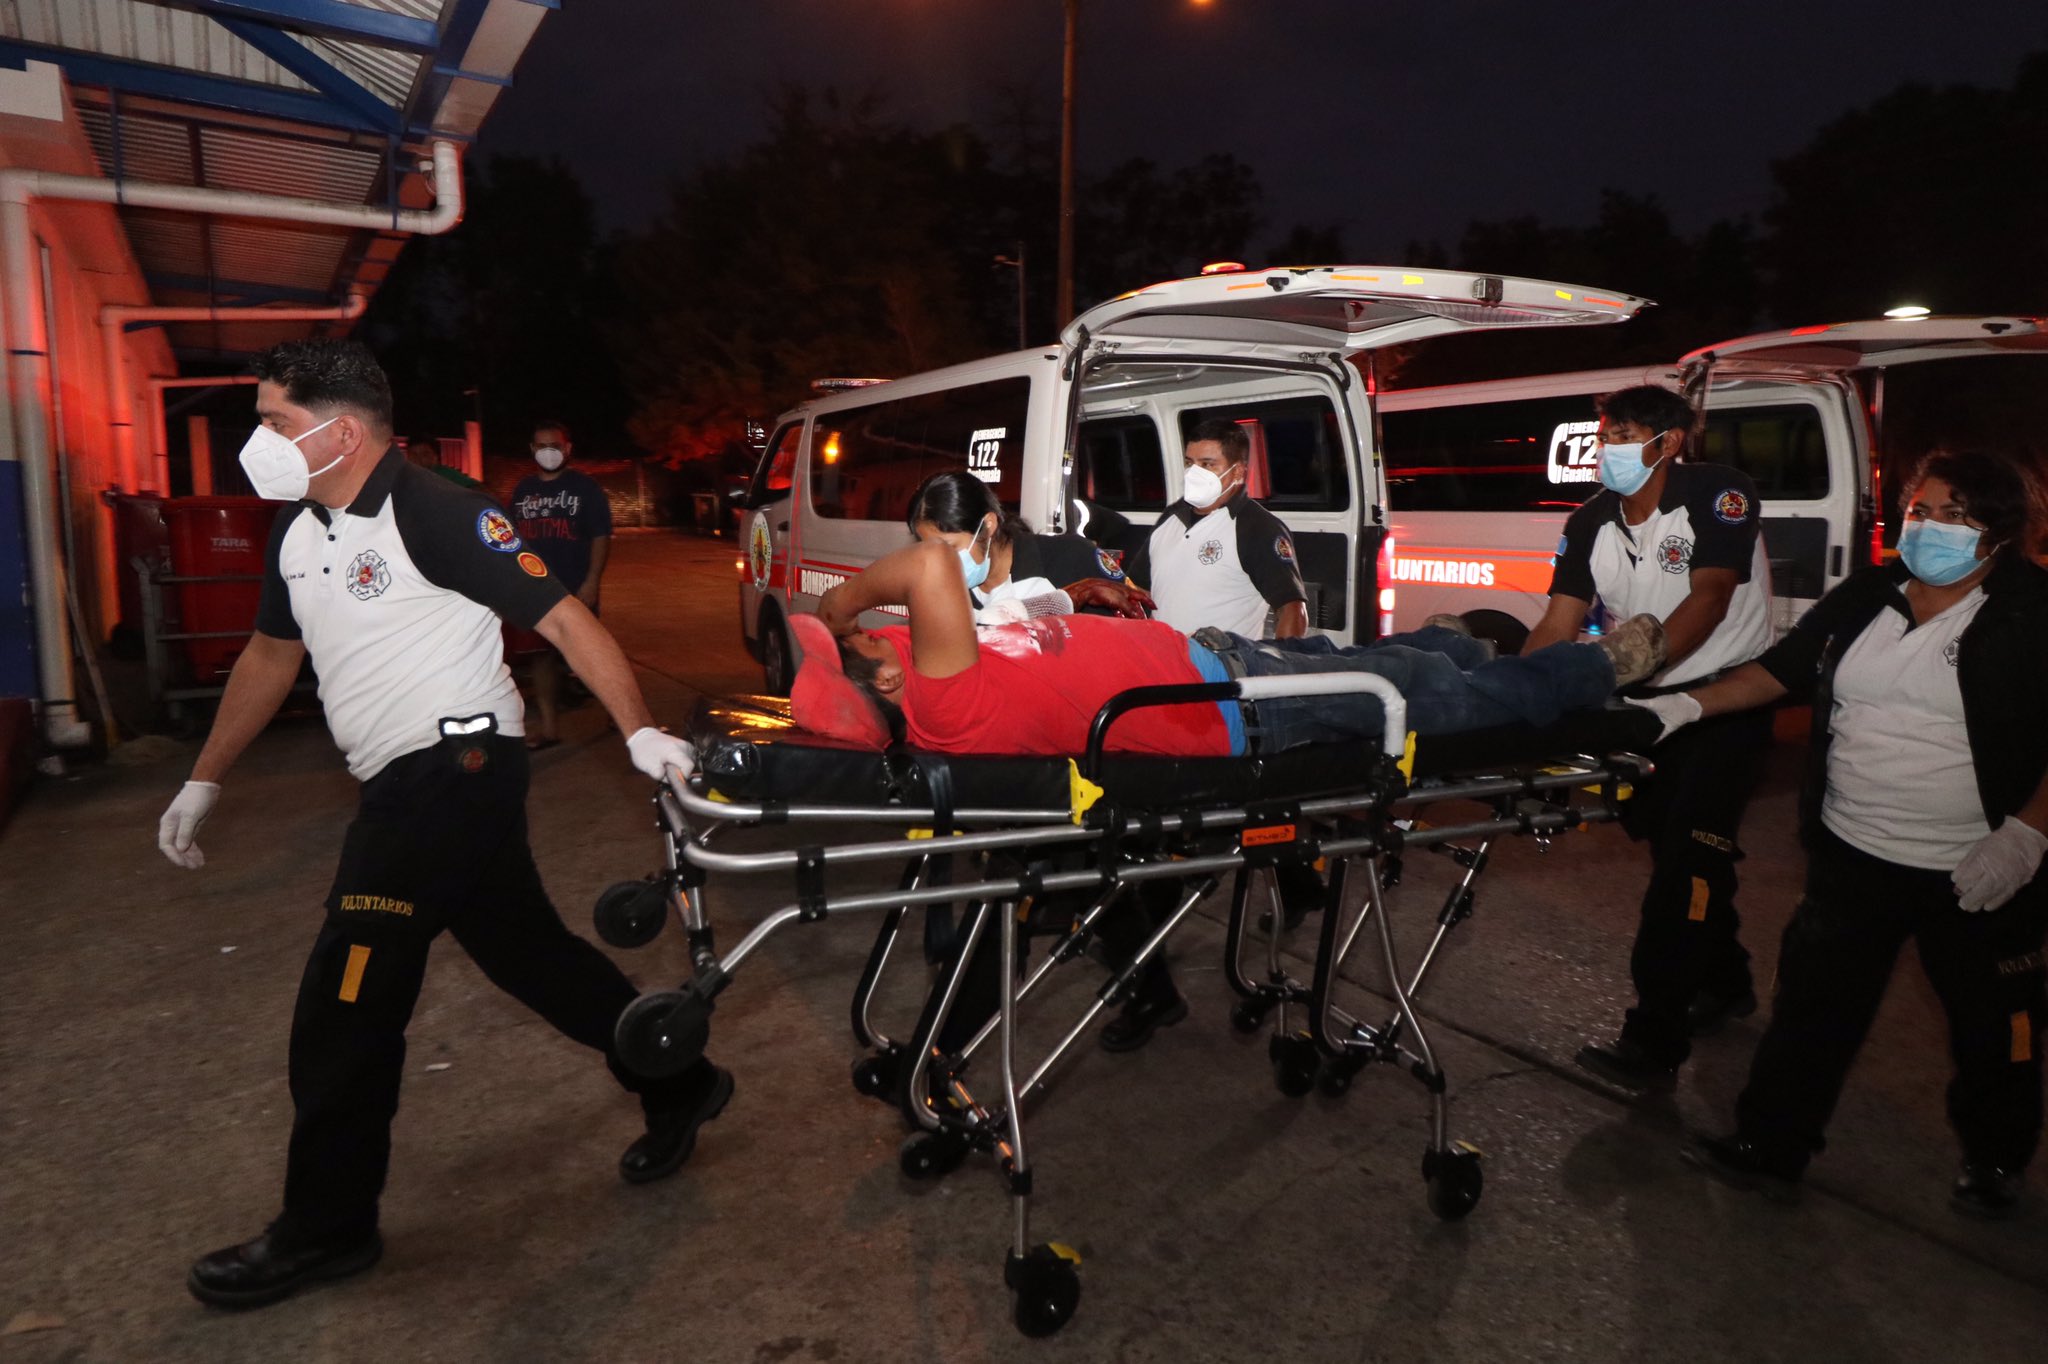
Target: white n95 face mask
<point>549,457</point>
<point>277,467</point>
<point>1200,486</point>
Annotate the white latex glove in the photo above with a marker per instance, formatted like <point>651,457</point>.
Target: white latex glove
<point>655,751</point>
<point>178,828</point>
<point>2003,861</point>
<point>1675,711</point>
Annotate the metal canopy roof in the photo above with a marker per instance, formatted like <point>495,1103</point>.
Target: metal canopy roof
<point>324,99</point>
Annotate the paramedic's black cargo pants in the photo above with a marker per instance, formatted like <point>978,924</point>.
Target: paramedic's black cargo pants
<point>439,841</point>
<point>1690,812</point>
<point>1838,954</point>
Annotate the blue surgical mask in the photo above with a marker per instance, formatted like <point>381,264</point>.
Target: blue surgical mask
<point>1622,467</point>
<point>1938,553</point>
<point>975,569</point>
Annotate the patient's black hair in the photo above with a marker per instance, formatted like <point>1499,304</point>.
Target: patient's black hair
<point>1996,490</point>
<point>861,670</point>
<point>956,500</point>
<point>1648,405</point>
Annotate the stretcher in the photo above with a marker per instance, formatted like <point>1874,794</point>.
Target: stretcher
<point>1008,837</point>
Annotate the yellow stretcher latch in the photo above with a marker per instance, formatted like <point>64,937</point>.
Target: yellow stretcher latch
<point>1081,794</point>
<point>719,796</point>
<point>1407,763</point>
<point>1064,1251</point>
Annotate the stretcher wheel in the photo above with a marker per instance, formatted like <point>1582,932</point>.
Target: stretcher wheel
<point>631,913</point>
<point>1334,1075</point>
<point>1295,1063</point>
<point>1455,1180</point>
<point>876,1076</point>
<point>662,1033</point>
<point>929,1155</point>
<point>1047,1288</point>
<point>1249,1015</point>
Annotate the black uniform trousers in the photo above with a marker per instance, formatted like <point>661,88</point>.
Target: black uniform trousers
<point>439,841</point>
<point>1837,957</point>
<point>1690,813</point>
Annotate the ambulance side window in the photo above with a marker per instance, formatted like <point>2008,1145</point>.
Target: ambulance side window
<point>777,470</point>
<point>867,461</point>
<point>1531,454</point>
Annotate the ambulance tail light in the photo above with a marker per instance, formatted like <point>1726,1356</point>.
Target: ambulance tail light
<point>1385,575</point>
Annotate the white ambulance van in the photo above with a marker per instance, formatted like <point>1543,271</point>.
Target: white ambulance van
<point>1481,476</point>
<point>1087,434</point>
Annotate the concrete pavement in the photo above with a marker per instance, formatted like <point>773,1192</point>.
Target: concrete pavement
<point>143,1114</point>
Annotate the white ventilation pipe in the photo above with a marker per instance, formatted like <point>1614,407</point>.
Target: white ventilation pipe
<point>114,319</point>
<point>29,371</point>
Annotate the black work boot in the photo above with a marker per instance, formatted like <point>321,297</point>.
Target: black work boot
<point>1626,1062</point>
<point>672,1128</point>
<point>1742,1164</point>
<point>1712,1011</point>
<point>1983,1190</point>
<point>1140,1018</point>
<point>276,1265</point>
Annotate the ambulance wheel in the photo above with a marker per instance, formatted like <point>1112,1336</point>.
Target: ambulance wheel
<point>662,1033</point>
<point>1247,1015</point>
<point>1455,1181</point>
<point>1507,634</point>
<point>929,1155</point>
<point>1046,1286</point>
<point>778,669</point>
<point>875,1076</point>
<point>631,913</point>
<point>1294,1063</point>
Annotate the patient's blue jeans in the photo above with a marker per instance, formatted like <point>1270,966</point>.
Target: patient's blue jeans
<point>1449,682</point>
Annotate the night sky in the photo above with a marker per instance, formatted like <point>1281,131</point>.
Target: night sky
<point>1398,119</point>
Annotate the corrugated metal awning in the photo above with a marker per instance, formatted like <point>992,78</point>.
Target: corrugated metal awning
<point>324,99</point>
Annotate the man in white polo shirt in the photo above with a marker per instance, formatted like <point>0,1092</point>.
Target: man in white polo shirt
<point>1680,541</point>
<point>393,581</point>
<point>1216,559</point>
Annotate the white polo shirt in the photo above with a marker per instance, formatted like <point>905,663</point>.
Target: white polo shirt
<point>1232,569</point>
<point>397,599</point>
<point>1902,784</point>
<point>1706,518</point>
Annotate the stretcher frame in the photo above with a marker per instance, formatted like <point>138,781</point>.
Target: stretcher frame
<point>663,1032</point>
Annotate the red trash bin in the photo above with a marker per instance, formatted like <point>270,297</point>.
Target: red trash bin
<point>217,537</point>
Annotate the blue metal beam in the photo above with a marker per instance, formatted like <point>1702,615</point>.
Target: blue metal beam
<point>327,18</point>
<point>191,87</point>
<point>295,57</point>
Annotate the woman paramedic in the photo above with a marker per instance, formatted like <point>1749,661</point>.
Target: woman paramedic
<point>1925,814</point>
<point>1011,571</point>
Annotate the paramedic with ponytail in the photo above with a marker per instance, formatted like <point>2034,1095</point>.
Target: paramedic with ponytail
<point>1925,815</point>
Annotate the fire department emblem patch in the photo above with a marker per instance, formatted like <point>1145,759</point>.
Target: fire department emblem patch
<point>1731,506</point>
<point>368,576</point>
<point>1283,549</point>
<point>1675,554</point>
<point>1210,552</point>
<point>496,530</point>
<point>760,553</point>
<point>1111,565</point>
<point>532,564</point>
<point>1954,651</point>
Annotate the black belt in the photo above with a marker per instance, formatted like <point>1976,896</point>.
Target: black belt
<point>1644,693</point>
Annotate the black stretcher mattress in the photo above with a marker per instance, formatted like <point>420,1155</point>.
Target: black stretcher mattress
<point>749,750</point>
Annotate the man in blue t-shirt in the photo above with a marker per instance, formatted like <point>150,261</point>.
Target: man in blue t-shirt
<point>564,518</point>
